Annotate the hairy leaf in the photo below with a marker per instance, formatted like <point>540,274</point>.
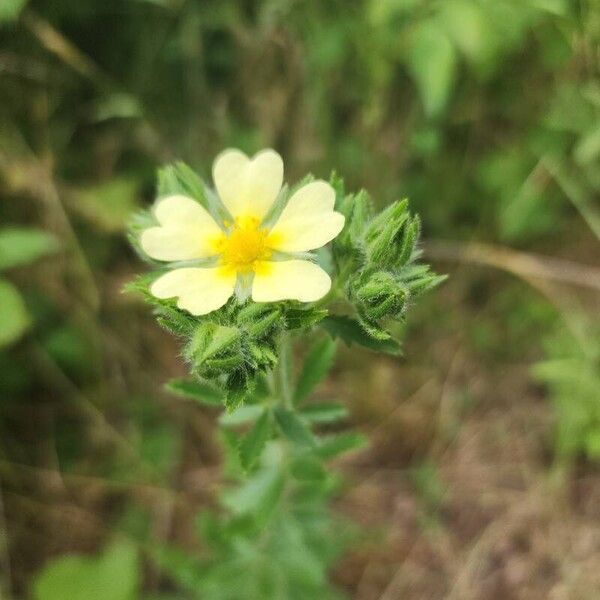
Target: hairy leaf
<point>293,427</point>
<point>253,443</point>
<point>316,366</point>
<point>200,391</point>
<point>351,332</point>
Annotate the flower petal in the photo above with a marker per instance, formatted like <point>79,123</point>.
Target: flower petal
<point>186,231</point>
<point>200,291</point>
<point>248,187</point>
<point>289,280</point>
<point>308,221</point>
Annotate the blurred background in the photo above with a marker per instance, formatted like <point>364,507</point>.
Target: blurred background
<point>482,478</point>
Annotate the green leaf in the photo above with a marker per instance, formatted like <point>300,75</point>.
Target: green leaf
<point>114,574</point>
<point>212,339</point>
<point>308,468</point>
<point>588,147</point>
<point>592,444</point>
<point>335,445</point>
<point>432,63</point>
<point>317,364</point>
<point>242,414</point>
<point>200,391</point>
<point>14,318</point>
<point>351,332</point>
<point>471,29</point>
<point>324,413</point>
<point>21,246</point>
<point>11,9</point>
<point>293,427</point>
<point>297,318</point>
<point>108,206</point>
<point>258,495</point>
<point>253,443</point>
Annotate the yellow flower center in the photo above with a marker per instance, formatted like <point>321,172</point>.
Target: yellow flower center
<point>244,245</point>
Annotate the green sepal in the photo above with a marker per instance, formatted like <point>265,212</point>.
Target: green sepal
<point>304,318</point>
<point>216,344</point>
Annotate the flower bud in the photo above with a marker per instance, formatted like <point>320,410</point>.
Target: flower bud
<point>377,294</point>
<point>392,236</point>
<point>357,211</point>
<point>215,348</point>
<point>259,320</point>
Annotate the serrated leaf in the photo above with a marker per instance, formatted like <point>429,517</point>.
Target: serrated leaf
<point>14,318</point>
<point>253,443</point>
<point>242,414</point>
<point>21,246</point>
<point>293,427</point>
<point>351,332</point>
<point>334,445</point>
<point>316,366</point>
<point>297,318</point>
<point>258,495</point>
<point>324,412</point>
<point>200,391</point>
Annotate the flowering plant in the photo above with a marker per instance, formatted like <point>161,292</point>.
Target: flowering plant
<point>241,266</point>
<point>245,270</point>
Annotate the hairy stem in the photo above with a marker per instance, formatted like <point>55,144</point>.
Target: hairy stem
<point>284,371</point>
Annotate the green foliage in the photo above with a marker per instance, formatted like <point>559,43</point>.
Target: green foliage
<point>432,63</point>
<point>21,246</point>
<point>108,206</point>
<point>253,443</point>
<point>114,574</point>
<point>378,256</point>
<point>324,412</point>
<point>483,112</point>
<point>352,332</point>
<point>10,10</point>
<point>14,318</point>
<point>572,375</point>
<point>293,427</point>
<point>316,365</point>
<point>199,391</point>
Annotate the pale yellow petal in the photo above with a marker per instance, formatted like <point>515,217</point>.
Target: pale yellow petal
<point>289,280</point>
<point>199,291</point>
<point>186,231</point>
<point>248,187</point>
<point>308,221</point>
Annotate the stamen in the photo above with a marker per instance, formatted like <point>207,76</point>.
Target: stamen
<point>244,245</point>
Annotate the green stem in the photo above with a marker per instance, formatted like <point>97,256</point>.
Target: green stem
<point>284,371</point>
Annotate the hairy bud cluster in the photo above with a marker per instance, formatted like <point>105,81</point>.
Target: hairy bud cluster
<point>377,294</point>
<point>234,344</point>
<point>234,353</point>
<point>377,256</point>
<point>391,237</point>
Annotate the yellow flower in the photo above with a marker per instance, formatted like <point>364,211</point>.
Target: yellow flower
<point>245,252</point>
